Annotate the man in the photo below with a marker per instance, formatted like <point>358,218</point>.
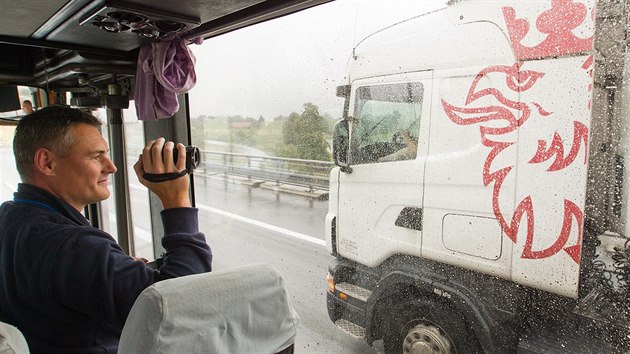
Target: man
<point>27,107</point>
<point>67,285</point>
<point>408,152</point>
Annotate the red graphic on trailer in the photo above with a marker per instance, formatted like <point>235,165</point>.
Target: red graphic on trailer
<point>557,23</point>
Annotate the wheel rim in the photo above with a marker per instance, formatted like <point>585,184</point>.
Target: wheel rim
<point>426,339</point>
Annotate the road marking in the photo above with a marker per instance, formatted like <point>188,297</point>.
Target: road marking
<point>263,225</point>
<point>260,224</point>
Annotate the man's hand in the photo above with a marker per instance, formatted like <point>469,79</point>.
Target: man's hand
<point>157,158</point>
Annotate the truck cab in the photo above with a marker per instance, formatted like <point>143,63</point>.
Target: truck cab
<point>479,187</point>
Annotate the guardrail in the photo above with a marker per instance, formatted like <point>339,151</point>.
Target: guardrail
<point>308,173</point>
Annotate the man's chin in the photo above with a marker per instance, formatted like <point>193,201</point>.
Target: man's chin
<point>103,194</point>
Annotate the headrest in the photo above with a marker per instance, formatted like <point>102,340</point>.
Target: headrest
<point>11,340</point>
<point>242,310</point>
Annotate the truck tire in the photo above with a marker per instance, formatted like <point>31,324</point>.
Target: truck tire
<point>427,326</point>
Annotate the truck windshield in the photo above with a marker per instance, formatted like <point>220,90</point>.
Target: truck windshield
<point>388,122</point>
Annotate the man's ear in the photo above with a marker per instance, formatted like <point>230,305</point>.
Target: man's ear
<point>44,161</point>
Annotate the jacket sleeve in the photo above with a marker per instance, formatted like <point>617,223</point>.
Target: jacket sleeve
<point>96,278</point>
<point>187,251</point>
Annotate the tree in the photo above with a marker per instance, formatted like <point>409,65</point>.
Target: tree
<point>304,135</point>
<point>291,129</point>
<point>242,130</point>
<point>198,131</point>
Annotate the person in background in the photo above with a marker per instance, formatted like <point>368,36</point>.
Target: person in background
<point>408,152</point>
<point>66,285</point>
<point>27,107</point>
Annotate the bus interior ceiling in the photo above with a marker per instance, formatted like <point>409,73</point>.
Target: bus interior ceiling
<point>80,46</point>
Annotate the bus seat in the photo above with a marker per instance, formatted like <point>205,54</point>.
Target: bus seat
<point>242,310</point>
<point>11,340</point>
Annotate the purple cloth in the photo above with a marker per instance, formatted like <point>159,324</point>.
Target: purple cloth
<point>164,69</point>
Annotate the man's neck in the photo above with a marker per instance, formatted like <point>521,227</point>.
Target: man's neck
<point>50,189</point>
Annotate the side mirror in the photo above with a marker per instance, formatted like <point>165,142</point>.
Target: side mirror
<point>341,144</point>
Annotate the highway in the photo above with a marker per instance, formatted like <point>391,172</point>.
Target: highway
<point>245,226</point>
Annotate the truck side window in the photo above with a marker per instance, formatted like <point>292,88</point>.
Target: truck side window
<point>388,123</point>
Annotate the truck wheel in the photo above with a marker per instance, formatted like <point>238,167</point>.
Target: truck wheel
<point>427,326</point>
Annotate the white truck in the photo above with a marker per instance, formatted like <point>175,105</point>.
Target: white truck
<point>480,198</point>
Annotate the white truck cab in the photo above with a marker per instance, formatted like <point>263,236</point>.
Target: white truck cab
<point>480,167</point>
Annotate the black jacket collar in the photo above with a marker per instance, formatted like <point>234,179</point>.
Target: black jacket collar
<point>30,194</point>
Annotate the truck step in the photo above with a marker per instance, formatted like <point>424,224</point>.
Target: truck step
<point>351,328</point>
<point>354,291</point>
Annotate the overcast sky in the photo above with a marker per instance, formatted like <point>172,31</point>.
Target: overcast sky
<point>274,68</point>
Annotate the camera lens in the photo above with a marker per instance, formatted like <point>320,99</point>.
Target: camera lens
<point>193,158</point>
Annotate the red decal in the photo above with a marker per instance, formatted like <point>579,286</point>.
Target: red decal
<point>519,81</point>
<point>524,208</point>
<point>541,111</point>
<point>557,24</point>
<point>516,80</point>
<point>588,66</point>
<point>574,250</point>
<point>479,115</point>
<point>580,134</point>
<point>571,212</point>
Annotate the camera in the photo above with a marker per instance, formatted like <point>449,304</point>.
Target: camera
<point>193,158</point>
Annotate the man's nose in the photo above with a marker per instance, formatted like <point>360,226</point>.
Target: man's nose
<point>111,168</point>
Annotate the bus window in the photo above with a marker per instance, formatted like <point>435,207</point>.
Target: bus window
<point>9,177</point>
<point>263,113</point>
<point>138,194</point>
<point>28,97</point>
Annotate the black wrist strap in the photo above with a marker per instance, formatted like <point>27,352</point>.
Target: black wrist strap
<point>163,177</point>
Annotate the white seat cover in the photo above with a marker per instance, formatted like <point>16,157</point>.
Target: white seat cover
<point>11,340</point>
<point>242,310</point>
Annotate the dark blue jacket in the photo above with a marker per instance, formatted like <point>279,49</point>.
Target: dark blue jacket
<point>67,285</point>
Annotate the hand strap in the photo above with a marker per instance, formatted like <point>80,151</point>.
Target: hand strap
<point>163,177</point>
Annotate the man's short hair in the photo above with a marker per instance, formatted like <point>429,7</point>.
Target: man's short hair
<point>47,128</point>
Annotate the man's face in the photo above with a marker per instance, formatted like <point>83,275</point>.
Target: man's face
<point>27,107</point>
<point>81,177</point>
